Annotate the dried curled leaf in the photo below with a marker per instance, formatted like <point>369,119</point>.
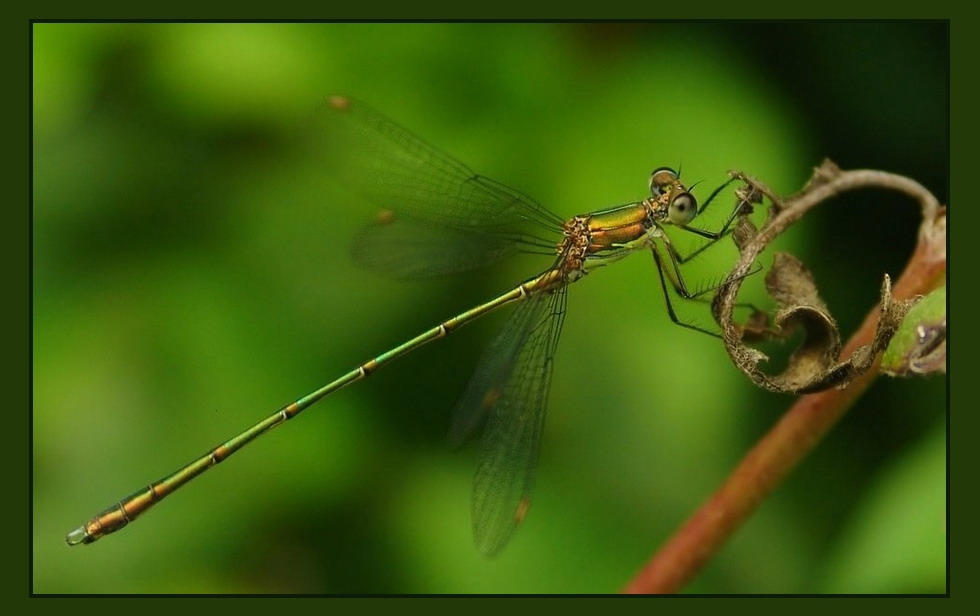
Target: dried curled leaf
<point>816,364</point>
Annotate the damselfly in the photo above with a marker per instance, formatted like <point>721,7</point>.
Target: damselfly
<point>440,217</point>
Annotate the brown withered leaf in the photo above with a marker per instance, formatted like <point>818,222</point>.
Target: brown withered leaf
<point>815,364</point>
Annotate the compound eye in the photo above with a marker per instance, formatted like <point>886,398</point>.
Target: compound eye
<point>661,178</point>
<point>683,208</point>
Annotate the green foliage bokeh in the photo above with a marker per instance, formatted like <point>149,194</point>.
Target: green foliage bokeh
<point>191,275</point>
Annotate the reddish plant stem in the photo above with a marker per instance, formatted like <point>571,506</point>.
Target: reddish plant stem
<point>789,441</point>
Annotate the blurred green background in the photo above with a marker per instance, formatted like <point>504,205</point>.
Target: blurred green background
<point>191,275</point>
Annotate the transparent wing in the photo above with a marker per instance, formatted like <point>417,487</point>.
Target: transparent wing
<point>416,186</point>
<point>510,393</point>
<point>415,249</point>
